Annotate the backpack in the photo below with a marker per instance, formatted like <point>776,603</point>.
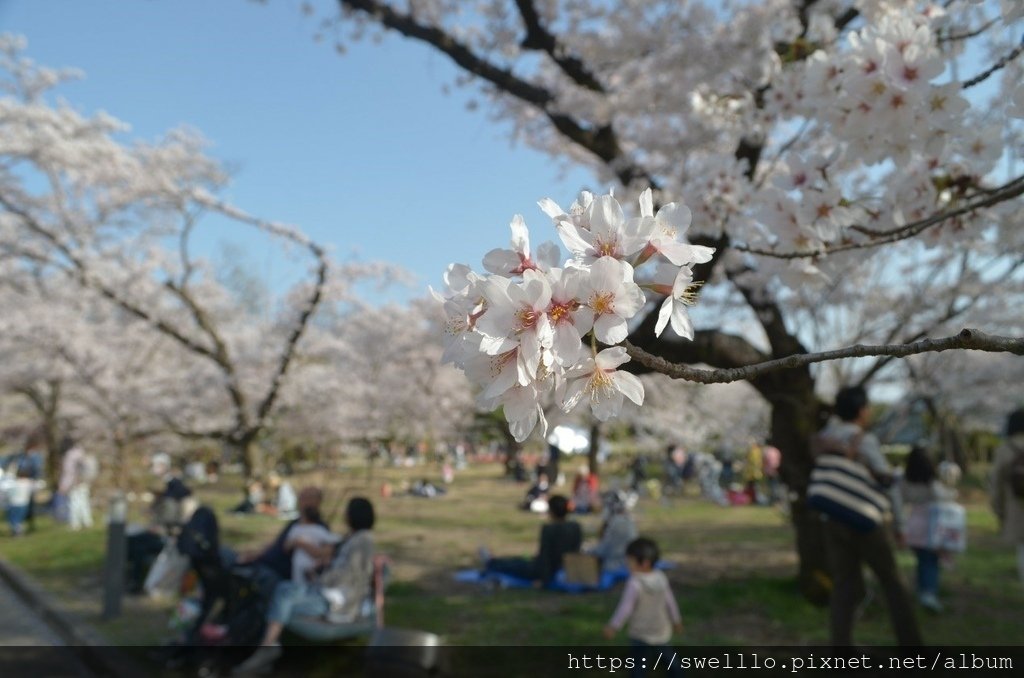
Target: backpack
<point>1017,473</point>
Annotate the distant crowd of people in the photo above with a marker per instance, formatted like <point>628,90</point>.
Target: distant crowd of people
<point>916,508</point>
<point>724,477</point>
<point>22,479</point>
<point>865,509</point>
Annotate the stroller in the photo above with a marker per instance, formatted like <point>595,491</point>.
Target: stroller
<point>232,612</point>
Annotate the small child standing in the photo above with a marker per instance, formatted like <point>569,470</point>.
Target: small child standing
<point>19,499</point>
<point>650,607</point>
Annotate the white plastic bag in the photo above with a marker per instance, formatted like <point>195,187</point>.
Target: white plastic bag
<point>948,523</point>
<point>164,578</point>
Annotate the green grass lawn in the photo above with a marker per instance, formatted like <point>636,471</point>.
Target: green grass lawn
<point>734,574</point>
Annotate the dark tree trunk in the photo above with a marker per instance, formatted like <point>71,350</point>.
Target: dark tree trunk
<point>595,445</point>
<point>46,399</point>
<point>250,455</point>
<point>950,437</point>
<point>122,453</point>
<point>953,443</point>
<point>52,437</point>
<point>795,416</point>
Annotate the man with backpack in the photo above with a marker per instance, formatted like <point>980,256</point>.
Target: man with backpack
<point>852,538</point>
<point>1008,485</point>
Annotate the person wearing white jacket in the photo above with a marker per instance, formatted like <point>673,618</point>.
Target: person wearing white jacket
<point>78,470</point>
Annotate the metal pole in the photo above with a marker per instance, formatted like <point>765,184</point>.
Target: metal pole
<point>113,570</point>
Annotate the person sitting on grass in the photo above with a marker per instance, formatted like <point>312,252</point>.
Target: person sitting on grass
<point>586,496</point>
<point>337,594</point>
<point>536,499</point>
<point>617,531</point>
<point>649,606</point>
<point>557,537</point>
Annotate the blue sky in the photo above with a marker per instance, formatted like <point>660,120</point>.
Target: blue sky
<point>363,152</point>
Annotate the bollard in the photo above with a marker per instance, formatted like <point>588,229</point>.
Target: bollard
<point>113,570</point>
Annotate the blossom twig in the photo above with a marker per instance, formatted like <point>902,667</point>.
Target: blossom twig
<point>966,339</point>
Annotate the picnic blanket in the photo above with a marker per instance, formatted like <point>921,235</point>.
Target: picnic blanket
<point>608,579</point>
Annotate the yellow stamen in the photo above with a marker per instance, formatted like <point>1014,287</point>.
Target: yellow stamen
<point>527,318</point>
<point>689,294</point>
<point>607,249</point>
<point>603,303</point>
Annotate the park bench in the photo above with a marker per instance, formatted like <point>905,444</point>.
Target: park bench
<point>320,630</point>
<point>405,653</point>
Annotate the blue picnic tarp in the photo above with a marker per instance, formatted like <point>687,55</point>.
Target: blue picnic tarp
<point>608,579</point>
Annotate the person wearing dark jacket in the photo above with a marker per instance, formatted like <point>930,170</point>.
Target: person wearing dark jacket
<point>273,563</point>
<point>170,509</point>
<point>557,537</point>
<point>1007,502</point>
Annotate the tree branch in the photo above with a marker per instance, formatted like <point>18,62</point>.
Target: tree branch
<point>293,339</point>
<point>601,141</point>
<point>540,38</point>
<point>81,271</point>
<point>313,301</point>
<point>219,355</point>
<point>216,434</point>
<point>1005,192</point>
<point>950,37</point>
<point>186,262</point>
<point>770,315</point>
<point>846,18</point>
<point>970,339</point>
<point>462,55</point>
<point>997,66</point>
<point>711,347</point>
<point>953,310</point>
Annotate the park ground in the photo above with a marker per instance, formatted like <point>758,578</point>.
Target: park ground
<point>734,575</point>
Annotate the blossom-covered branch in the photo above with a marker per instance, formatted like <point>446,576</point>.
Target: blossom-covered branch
<point>967,339</point>
<point>983,199</point>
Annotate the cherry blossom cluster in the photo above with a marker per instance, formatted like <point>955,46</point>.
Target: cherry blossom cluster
<point>532,329</point>
<point>879,95</point>
<point>879,125</point>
